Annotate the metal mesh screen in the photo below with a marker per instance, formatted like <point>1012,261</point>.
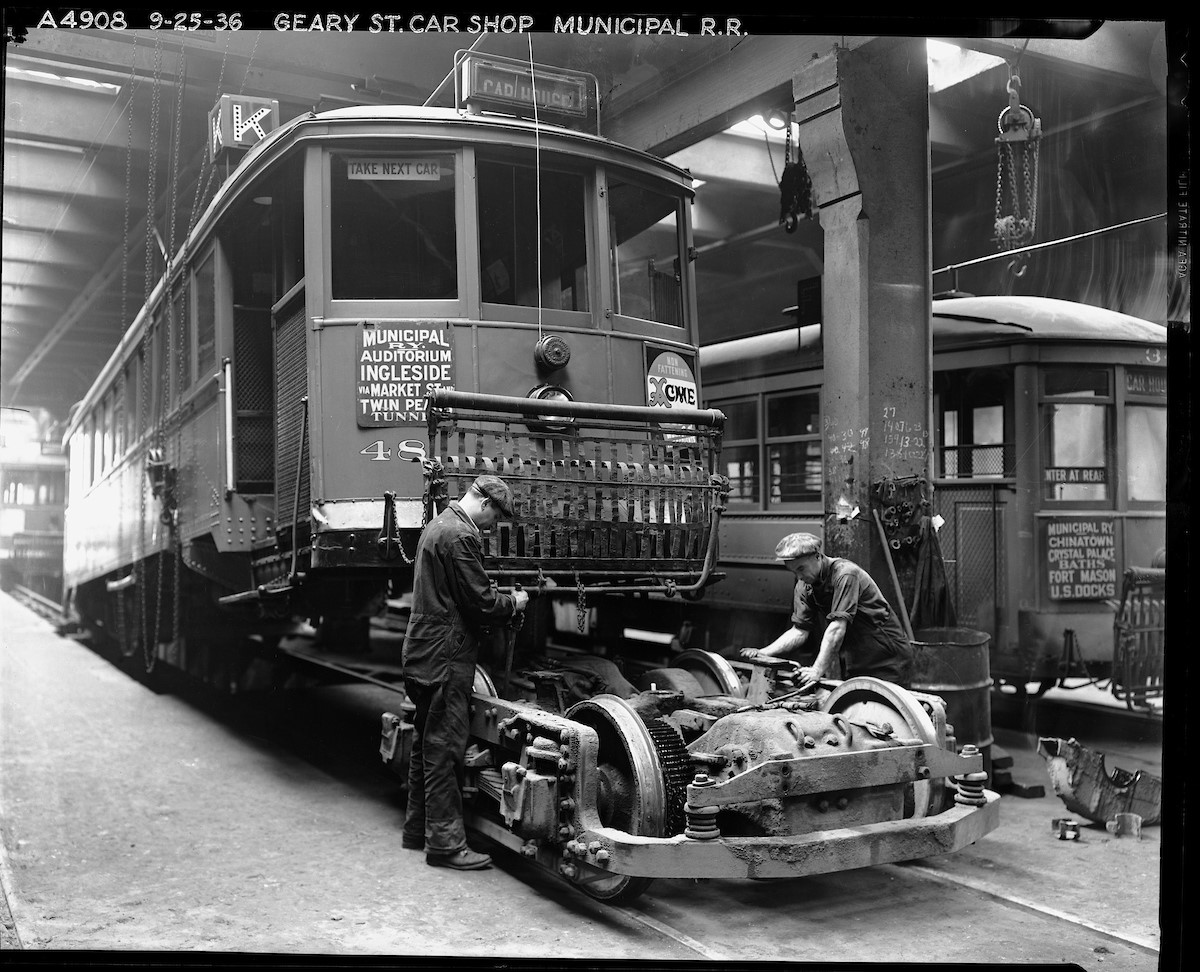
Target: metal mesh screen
<point>291,453</point>
<point>618,501</point>
<point>252,400</point>
<point>975,565</point>
<point>973,461</point>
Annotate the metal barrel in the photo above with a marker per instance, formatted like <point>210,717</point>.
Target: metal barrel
<point>953,663</point>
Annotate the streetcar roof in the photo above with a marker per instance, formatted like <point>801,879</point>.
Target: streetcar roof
<point>1041,318</point>
<point>465,120</point>
<point>956,323</point>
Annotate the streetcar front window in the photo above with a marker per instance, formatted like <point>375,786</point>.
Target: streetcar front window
<point>1077,434</point>
<point>1146,444</point>
<point>644,237</point>
<point>1077,458</point>
<point>392,226</point>
<point>515,202</point>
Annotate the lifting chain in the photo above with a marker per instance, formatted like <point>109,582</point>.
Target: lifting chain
<point>1015,224</point>
<point>123,620</point>
<point>149,645</point>
<point>179,337</point>
<point>581,604</point>
<point>208,171</point>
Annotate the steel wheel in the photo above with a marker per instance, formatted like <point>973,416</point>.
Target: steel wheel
<point>672,680</point>
<point>714,673</point>
<point>630,794</point>
<point>865,699</point>
<point>483,684</point>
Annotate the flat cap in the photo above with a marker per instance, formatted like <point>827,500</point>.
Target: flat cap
<point>497,490</point>
<point>797,545</point>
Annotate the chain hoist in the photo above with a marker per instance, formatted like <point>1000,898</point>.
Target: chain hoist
<point>795,186</point>
<point>1020,133</point>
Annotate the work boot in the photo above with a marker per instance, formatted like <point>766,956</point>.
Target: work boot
<point>463,860</point>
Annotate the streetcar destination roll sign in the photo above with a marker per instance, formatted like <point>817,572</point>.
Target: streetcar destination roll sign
<point>1080,555</point>
<point>507,85</point>
<point>397,367</point>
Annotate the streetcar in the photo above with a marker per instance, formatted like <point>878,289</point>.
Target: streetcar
<point>1049,475</point>
<point>33,479</point>
<point>382,303</point>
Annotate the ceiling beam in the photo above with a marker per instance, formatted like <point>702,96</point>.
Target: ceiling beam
<point>733,159</point>
<point>57,173</point>
<point>753,75</point>
<point>103,279</point>
<point>295,64</point>
<point>38,213</point>
<point>1116,51</point>
<point>22,247</point>
<point>67,116</point>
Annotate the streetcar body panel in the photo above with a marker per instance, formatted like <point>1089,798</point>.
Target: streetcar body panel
<point>263,420</point>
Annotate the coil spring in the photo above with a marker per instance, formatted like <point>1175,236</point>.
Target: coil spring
<point>970,785</point>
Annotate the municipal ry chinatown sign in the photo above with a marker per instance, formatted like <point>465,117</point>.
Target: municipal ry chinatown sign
<point>1080,554</point>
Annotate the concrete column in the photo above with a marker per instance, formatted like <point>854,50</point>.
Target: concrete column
<point>864,133</point>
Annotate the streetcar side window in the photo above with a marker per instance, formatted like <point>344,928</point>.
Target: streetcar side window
<point>393,230</point>
<point>644,258</point>
<point>1076,434</point>
<point>974,418</point>
<point>105,434</point>
<point>794,447</point>
<point>156,364</point>
<point>206,317</point>
<point>773,442</point>
<point>739,450</point>
<point>181,363</point>
<point>513,200</point>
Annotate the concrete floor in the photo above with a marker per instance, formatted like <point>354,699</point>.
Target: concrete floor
<point>136,821</point>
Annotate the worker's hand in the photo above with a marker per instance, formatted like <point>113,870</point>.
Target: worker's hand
<point>520,599</point>
<point>750,653</point>
<point>809,676</point>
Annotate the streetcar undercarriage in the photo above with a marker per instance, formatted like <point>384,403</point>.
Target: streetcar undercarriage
<point>612,792</point>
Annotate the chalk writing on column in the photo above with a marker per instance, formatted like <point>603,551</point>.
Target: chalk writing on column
<point>902,439</point>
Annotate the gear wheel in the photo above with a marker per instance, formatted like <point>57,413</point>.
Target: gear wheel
<point>677,773</point>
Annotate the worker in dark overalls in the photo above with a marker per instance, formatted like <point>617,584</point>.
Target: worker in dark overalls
<point>453,604</point>
<point>862,633</point>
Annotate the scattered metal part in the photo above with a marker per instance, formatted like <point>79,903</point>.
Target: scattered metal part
<point>1088,788</point>
<point>1125,824</point>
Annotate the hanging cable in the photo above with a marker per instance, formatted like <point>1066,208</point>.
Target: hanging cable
<point>208,170</point>
<point>537,168</point>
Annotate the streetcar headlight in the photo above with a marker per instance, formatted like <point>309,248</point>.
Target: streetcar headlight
<point>550,423</point>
